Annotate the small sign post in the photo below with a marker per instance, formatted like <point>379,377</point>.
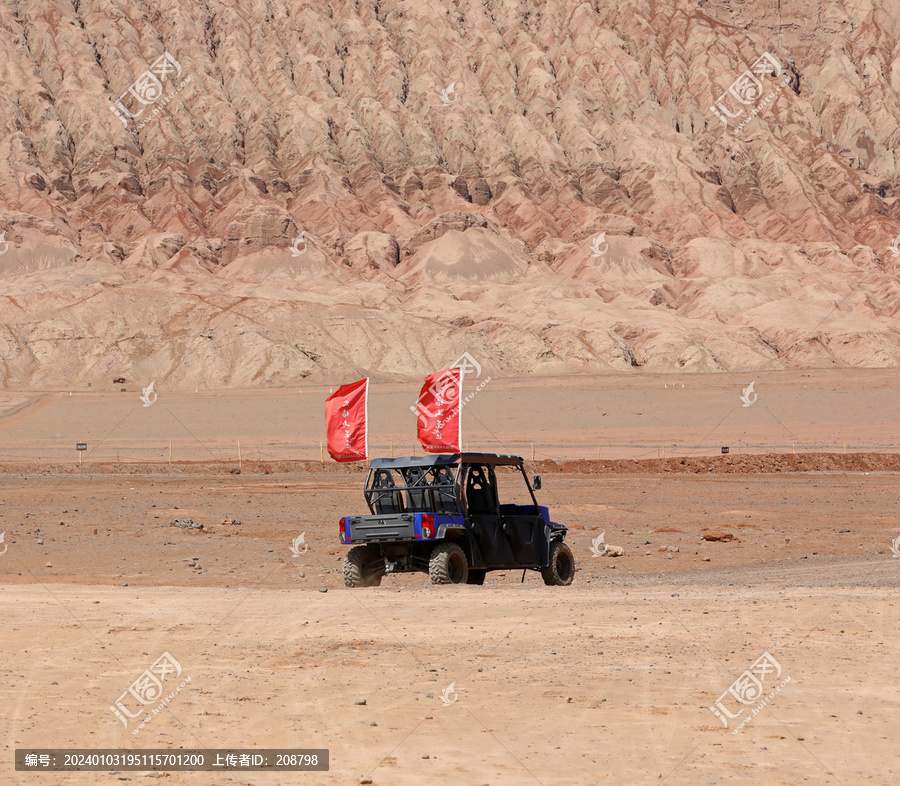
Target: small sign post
<point>80,447</point>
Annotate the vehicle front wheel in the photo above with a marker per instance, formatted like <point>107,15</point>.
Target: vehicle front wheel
<point>561,569</point>
<point>448,564</point>
<point>363,567</point>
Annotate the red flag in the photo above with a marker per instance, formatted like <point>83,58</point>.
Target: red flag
<point>439,416</point>
<point>346,420</point>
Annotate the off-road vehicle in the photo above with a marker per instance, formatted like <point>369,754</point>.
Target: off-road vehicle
<point>442,515</point>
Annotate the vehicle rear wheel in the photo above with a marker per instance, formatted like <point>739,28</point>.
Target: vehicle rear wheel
<point>363,567</point>
<point>561,569</point>
<point>448,564</point>
<point>476,576</point>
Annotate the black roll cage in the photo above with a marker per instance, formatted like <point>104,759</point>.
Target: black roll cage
<point>432,484</point>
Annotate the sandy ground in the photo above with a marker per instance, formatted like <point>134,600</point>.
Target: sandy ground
<point>600,684</point>
<point>607,681</point>
<point>577,417</point>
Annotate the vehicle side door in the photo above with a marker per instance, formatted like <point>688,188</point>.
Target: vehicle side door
<point>483,517</point>
<point>521,518</point>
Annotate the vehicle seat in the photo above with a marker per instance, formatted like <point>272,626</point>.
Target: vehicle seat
<point>444,496</point>
<point>480,493</point>
<point>386,500</point>
<point>418,499</point>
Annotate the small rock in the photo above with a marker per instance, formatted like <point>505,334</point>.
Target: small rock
<point>706,559</point>
<point>49,565</point>
<point>323,589</point>
<point>674,548</point>
<point>360,702</point>
<point>184,524</point>
<point>719,537</point>
<point>569,699</point>
<point>365,780</point>
<point>615,551</point>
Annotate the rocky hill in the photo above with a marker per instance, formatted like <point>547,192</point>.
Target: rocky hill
<point>241,193</point>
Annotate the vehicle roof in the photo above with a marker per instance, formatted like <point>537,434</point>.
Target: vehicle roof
<point>445,459</point>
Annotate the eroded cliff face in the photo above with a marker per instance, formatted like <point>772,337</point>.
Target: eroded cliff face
<point>296,189</point>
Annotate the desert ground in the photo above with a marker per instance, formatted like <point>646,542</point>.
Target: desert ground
<point>609,680</point>
<point>559,418</point>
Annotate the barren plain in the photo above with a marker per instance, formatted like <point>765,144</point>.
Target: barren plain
<point>609,680</point>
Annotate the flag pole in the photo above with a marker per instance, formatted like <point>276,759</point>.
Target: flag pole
<point>462,374</point>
